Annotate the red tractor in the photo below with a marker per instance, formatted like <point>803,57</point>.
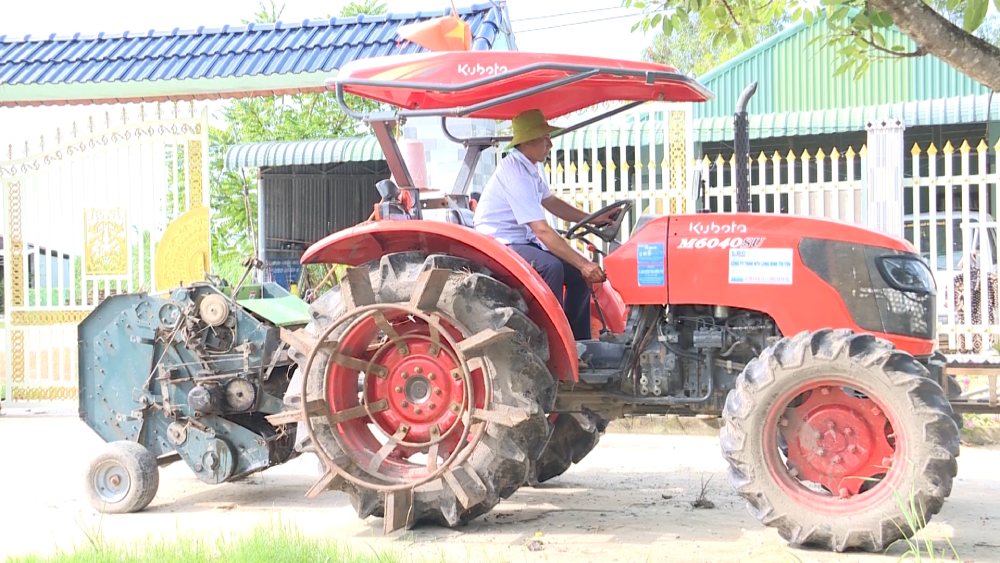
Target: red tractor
<point>441,375</point>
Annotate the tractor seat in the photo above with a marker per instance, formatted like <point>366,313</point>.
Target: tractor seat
<point>460,217</point>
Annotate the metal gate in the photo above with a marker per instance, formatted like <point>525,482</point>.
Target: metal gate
<point>112,206</point>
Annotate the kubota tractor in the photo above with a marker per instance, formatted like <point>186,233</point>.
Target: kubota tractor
<point>441,375</point>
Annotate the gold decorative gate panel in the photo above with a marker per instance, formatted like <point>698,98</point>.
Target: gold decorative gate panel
<point>83,220</point>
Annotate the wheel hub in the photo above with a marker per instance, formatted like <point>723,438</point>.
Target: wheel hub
<point>837,439</point>
<point>420,391</point>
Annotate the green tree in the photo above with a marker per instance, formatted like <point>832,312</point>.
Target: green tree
<point>691,49</point>
<point>946,29</point>
<point>272,118</point>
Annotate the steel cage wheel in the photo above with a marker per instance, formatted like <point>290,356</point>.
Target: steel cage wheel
<point>829,433</point>
<point>423,389</point>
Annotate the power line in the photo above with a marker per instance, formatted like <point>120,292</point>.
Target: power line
<point>566,14</point>
<point>576,23</point>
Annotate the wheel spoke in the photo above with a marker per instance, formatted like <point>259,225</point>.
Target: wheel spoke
<point>503,415</point>
<point>357,364</point>
<point>432,452</point>
<point>387,449</point>
<point>322,484</point>
<point>359,411</point>
<point>386,327</point>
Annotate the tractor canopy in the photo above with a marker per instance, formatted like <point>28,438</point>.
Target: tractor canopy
<point>502,84</point>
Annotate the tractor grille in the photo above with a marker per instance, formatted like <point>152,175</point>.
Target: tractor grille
<point>875,303</point>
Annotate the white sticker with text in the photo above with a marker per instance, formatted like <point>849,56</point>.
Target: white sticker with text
<point>766,266</point>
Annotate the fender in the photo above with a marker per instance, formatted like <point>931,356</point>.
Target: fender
<point>367,242</point>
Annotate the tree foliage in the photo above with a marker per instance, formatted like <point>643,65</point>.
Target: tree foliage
<point>273,118</point>
<point>956,31</point>
<point>691,47</point>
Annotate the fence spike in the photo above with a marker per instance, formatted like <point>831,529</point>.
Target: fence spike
<point>982,146</point>
<point>626,166</point>
<point>599,167</point>
<point>863,152</point>
<point>915,151</point>
<point>585,167</point>
<point>776,158</point>
<point>820,155</point>
<point>850,152</point>
<point>762,158</point>
<point>805,155</point>
<point>572,168</point>
<point>720,162</point>
<point>965,147</point>
<point>834,154</point>
<point>948,148</point>
<point>705,162</point>
<point>790,156</point>
<point>932,150</point>
<point>559,169</point>
<point>612,166</point>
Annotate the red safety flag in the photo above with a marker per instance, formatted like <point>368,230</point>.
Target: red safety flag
<point>447,33</point>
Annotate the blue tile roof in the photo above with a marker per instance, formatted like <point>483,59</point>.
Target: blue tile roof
<point>232,51</point>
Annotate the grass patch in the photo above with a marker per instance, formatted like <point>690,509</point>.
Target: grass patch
<point>263,545</point>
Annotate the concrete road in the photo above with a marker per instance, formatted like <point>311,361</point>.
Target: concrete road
<point>630,500</point>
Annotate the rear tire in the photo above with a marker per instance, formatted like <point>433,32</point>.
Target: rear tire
<point>574,435</point>
<point>868,434</point>
<point>483,453</point>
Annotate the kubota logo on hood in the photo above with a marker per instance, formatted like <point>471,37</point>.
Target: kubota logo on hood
<point>480,70</point>
<point>713,228</point>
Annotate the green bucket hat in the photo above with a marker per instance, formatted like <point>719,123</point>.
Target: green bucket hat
<point>528,126</point>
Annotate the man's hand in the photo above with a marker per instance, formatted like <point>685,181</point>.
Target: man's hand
<point>592,272</point>
<point>606,218</point>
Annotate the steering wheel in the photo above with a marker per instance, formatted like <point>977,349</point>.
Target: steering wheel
<point>608,232</point>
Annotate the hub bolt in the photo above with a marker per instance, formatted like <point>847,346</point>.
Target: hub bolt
<point>431,376</point>
<point>432,406</point>
<point>404,375</point>
<point>836,460</point>
<point>830,425</point>
<point>437,392</point>
<point>875,411</point>
<point>398,389</point>
<point>115,480</point>
<point>820,452</point>
<point>853,448</point>
<point>848,431</point>
<point>404,404</point>
<point>824,390</point>
<point>418,370</point>
<point>418,411</point>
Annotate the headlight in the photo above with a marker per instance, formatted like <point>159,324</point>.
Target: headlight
<point>907,273</point>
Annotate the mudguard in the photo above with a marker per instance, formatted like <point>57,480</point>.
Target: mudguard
<point>369,241</point>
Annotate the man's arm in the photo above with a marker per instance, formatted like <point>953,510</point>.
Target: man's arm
<point>557,245</point>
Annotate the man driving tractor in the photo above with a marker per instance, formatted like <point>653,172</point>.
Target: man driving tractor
<point>512,210</point>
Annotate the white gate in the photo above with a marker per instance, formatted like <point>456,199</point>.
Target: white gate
<point>109,207</point>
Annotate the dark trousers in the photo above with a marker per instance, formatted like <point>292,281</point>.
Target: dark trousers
<point>558,273</point>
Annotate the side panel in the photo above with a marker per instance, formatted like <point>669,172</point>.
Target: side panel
<point>752,261</point>
<point>370,241</point>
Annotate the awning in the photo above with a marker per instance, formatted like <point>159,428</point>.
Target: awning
<point>324,151</point>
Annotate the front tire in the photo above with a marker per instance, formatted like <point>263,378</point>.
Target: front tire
<point>831,436</point>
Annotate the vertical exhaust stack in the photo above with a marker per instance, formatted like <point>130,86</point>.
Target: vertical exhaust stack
<point>741,132</point>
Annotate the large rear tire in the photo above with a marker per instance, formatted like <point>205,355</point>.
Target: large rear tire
<point>574,435</point>
<point>426,391</point>
<point>839,441</point>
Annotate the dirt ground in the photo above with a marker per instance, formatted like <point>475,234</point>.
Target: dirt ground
<point>630,500</point>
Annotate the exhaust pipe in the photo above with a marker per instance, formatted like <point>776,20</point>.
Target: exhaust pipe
<point>741,132</point>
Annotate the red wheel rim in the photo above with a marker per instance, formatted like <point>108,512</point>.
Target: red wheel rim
<point>409,391</point>
<point>842,451</point>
